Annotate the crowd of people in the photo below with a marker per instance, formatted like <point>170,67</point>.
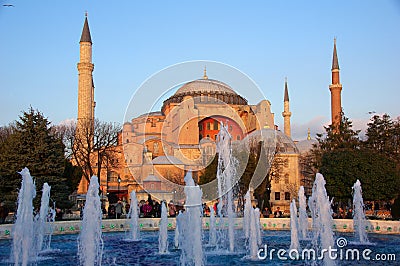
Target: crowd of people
<point>151,208</point>
<point>147,209</point>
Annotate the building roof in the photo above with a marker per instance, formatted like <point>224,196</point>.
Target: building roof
<point>286,97</point>
<point>206,91</point>
<point>273,141</point>
<point>85,37</point>
<point>285,144</point>
<point>157,113</point>
<point>205,85</point>
<point>306,145</point>
<point>166,160</point>
<point>335,61</point>
<point>151,178</point>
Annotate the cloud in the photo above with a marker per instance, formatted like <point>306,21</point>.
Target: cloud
<point>67,122</point>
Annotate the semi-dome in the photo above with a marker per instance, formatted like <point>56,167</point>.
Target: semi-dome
<point>205,91</point>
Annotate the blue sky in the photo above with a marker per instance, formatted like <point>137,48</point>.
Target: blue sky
<point>266,40</point>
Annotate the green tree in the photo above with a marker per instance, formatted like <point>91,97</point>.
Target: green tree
<point>72,174</point>
<point>343,158</point>
<point>273,172</point>
<point>248,162</point>
<point>344,137</point>
<point>262,166</point>
<point>383,136</point>
<point>210,172</point>
<point>32,144</point>
<point>309,164</point>
<point>378,175</point>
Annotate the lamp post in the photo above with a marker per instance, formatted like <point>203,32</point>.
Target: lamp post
<point>119,181</point>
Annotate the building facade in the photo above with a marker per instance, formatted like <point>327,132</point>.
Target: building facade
<point>157,149</point>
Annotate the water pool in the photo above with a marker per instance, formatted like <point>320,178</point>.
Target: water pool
<point>118,251</point>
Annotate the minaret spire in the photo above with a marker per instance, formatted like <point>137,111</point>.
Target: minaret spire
<point>286,111</point>
<point>335,61</point>
<point>335,88</point>
<point>286,96</point>
<point>85,37</point>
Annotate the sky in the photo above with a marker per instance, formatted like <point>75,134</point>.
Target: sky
<point>265,40</point>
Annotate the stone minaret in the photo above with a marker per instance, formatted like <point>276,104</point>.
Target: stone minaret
<point>336,89</point>
<point>286,112</point>
<point>86,102</point>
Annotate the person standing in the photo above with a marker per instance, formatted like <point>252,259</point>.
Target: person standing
<point>278,213</point>
<point>147,208</point>
<point>171,209</point>
<point>118,209</point>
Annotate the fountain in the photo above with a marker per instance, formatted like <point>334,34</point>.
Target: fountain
<point>212,239</point>
<point>23,229</point>
<point>90,241</point>
<point>191,246</point>
<point>359,220</point>
<point>133,217</point>
<point>221,248</point>
<point>163,230</point>
<point>226,171</point>
<point>177,229</point>
<point>41,220</point>
<point>247,215</point>
<point>321,213</point>
<point>50,220</point>
<point>188,233</point>
<point>303,217</point>
<point>294,237</point>
<point>258,225</point>
<point>251,227</point>
<point>254,232</point>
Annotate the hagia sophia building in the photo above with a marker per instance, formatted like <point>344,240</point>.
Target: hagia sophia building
<point>160,147</point>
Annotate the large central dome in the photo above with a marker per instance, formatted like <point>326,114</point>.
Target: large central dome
<point>205,86</point>
<point>205,91</point>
